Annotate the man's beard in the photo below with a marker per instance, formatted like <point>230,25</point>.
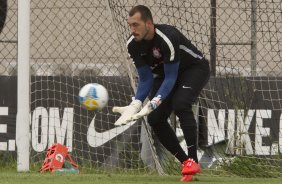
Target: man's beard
<point>144,35</point>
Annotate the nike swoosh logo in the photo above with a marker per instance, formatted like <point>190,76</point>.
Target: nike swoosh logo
<point>186,87</point>
<point>96,139</point>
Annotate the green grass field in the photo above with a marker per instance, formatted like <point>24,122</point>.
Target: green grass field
<point>37,178</point>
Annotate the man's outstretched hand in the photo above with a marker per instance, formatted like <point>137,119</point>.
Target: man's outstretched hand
<point>147,109</point>
<point>127,112</point>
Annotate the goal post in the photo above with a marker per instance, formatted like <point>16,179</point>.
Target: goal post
<point>23,110</point>
<point>62,45</point>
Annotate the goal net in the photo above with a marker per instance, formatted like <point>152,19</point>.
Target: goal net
<point>75,42</point>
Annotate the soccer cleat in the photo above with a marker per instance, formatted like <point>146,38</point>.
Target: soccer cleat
<point>186,178</point>
<point>190,167</point>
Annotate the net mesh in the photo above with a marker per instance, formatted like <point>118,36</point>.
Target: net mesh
<point>77,42</point>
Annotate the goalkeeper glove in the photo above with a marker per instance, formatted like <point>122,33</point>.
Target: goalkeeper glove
<point>127,112</point>
<point>148,108</point>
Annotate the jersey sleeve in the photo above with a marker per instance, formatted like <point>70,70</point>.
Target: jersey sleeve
<point>171,72</point>
<point>145,83</point>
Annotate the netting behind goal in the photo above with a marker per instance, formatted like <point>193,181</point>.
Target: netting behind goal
<point>76,42</point>
<point>239,111</point>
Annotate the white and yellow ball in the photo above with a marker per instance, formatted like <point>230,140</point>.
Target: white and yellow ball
<point>93,96</point>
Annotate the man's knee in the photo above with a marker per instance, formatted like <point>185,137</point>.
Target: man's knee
<point>186,115</point>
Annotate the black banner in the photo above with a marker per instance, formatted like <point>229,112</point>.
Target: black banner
<point>57,117</point>
<point>245,113</point>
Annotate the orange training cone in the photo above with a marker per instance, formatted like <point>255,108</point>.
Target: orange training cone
<point>55,158</point>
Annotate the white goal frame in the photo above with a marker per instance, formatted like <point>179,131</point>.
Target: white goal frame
<point>23,96</point>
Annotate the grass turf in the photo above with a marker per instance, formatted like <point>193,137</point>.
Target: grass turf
<point>37,178</point>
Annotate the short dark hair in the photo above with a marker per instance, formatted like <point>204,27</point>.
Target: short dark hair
<point>143,10</point>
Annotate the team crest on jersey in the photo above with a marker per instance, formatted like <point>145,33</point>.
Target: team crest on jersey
<point>157,53</point>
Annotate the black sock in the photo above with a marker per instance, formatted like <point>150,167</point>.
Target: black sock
<point>189,127</point>
<point>168,139</point>
<point>190,136</point>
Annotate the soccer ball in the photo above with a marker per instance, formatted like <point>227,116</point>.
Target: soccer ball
<point>93,96</point>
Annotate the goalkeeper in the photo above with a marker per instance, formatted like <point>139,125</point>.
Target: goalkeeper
<point>172,72</point>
